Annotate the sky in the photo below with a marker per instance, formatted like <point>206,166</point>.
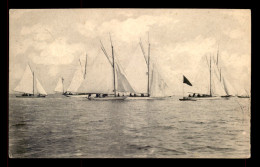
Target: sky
<point>53,40</point>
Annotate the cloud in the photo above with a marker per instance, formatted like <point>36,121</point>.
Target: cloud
<point>128,30</point>
<point>58,52</point>
<point>38,32</point>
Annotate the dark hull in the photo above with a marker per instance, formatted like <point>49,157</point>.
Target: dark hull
<point>243,96</point>
<point>187,99</point>
<point>30,96</point>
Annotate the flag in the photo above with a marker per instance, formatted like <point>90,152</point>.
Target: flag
<point>185,80</point>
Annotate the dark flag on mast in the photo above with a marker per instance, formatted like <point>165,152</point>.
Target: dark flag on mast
<point>185,80</point>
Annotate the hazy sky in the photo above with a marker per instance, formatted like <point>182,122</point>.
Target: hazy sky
<point>53,40</point>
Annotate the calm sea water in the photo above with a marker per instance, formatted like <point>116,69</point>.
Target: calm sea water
<point>62,127</point>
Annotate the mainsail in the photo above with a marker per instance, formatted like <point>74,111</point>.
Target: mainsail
<point>76,81</point>
<point>158,87</point>
<point>217,86</point>
<point>59,87</point>
<point>229,89</point>
<point>26,83</point>
<point>99,78</point>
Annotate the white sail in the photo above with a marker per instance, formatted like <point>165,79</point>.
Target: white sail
<point>76,81</point>
<point>217,86</point>
<point>39,88</point>
<point>99,77</point>
<point>201,83</point>
<point>26,83</point>
<point>158,87</point>
<point>59,86</point>
<point>137,71</point>
<point>122,83</point>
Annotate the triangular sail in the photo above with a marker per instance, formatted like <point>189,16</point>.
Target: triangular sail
<point>99,77</point>
<point>122,83</point>
<point>59,86</point>
<point>158,87</point>
<point>26,83</point>
<point>39,88</point>
<point>76,81</point>
<point>201,83</point>
<point>217,86</point>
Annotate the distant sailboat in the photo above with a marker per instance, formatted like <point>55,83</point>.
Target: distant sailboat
<point>229,89</point>
<point>30,86</point>
<point>244,94</point>
<point>208,85</point>
<point>60,86</point>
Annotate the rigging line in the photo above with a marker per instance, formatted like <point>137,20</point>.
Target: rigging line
<point>103,47</point>
<point>142,48</point>
<point>80,66</point>
<point>107,57</point>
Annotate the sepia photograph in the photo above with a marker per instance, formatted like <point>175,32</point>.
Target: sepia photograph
<point>129,83</point>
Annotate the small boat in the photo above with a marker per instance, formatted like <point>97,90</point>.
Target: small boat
<point>186,81</point>
<point>30,86</point>
<point>243,96</point>
<point>187,99</point>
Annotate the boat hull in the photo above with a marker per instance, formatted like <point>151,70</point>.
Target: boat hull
<point>146,98</point>
<point>107,98</point>
<point>206,98</point>
<point>30,96</point>
<point>187,99</point>
<point>77,96</point>
<point>243,96</point>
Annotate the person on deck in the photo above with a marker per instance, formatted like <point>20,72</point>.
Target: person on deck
<point>118,95</point>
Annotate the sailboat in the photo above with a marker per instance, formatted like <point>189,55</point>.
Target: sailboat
<point>30,86</point>
<point>60,86</point>
<point>208,86</point>
<point>78,77</point>
<point>156,87</point>
<point>229,89</point>
<point>186,81</point>
<point>244,94</point>
<point>110,90</point>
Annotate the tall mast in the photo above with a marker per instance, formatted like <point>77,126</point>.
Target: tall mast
<point>85,67</point>
<point>62,79</point>
<point>114,74</point>
<point>148,65</point>
<point>210,76</point>
<point>33,83</point>
<point>217,55</point>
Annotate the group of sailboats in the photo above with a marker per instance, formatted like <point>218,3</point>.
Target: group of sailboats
<point>211,83</point>
<point>108,81</point>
